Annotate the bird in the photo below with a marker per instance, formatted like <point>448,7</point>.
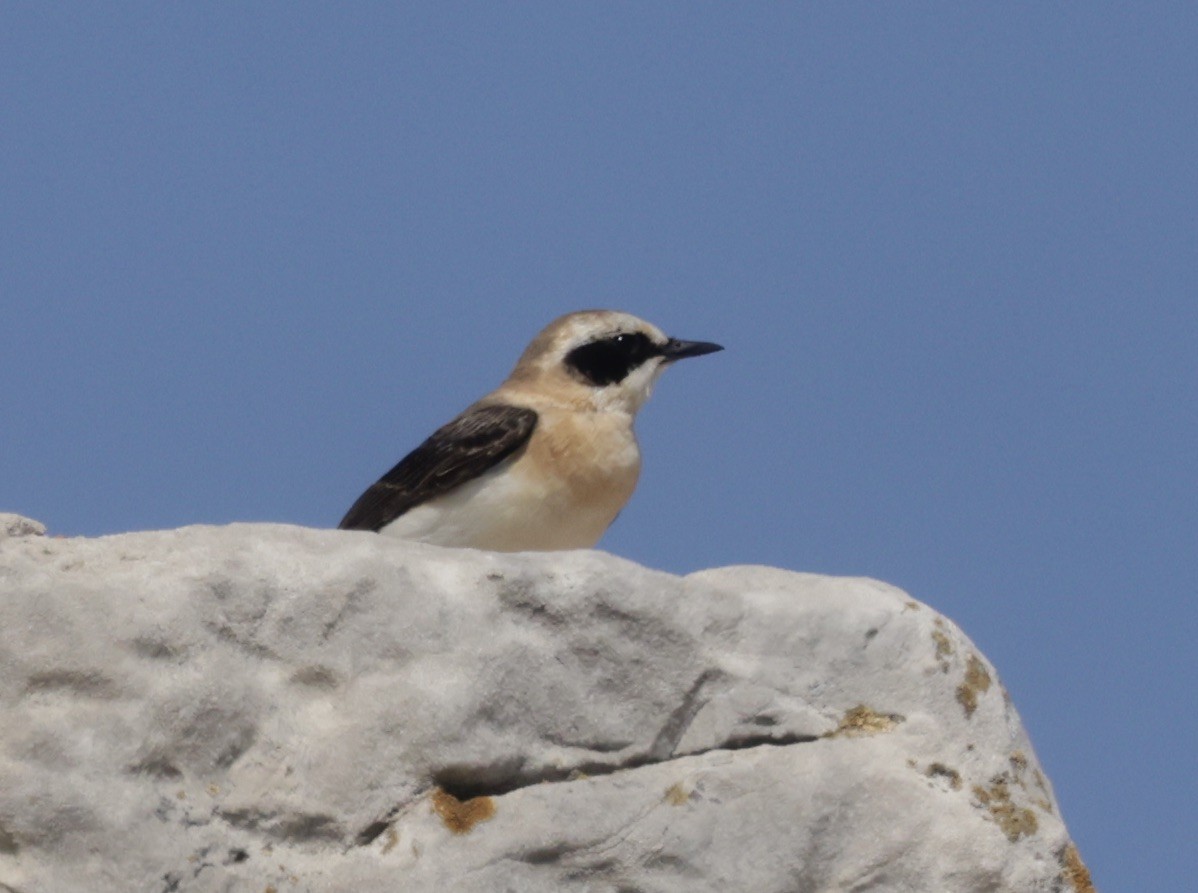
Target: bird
<point>544,462</point>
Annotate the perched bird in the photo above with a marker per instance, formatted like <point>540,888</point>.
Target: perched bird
<point>545,461</point>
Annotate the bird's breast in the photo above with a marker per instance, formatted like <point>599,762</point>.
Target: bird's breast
<point>568,485</point>
<point>585,458</point>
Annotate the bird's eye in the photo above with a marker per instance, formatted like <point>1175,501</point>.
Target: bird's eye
<point>608,360</point>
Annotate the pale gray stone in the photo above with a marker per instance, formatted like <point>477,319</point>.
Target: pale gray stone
<point>261,707</point>
<point>15,525</point>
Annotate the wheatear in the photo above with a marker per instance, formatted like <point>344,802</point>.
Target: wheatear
<point>545,461</point>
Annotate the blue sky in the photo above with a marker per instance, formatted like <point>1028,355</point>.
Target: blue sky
<point>250,255</point>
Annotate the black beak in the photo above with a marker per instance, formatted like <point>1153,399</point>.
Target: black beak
<point>680,350</point>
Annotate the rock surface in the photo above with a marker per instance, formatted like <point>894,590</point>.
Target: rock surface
<point>269,709</point>
<point>14,525</point>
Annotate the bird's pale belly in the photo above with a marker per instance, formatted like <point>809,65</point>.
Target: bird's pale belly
<point>545,499</point>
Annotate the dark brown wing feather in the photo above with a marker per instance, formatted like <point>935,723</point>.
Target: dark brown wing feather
<point>474,442</point>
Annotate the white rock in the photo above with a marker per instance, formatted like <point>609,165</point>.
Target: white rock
<point>15,525</point>
<point>258,706</point>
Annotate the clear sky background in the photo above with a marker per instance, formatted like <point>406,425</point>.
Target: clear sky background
<point>250,254</point>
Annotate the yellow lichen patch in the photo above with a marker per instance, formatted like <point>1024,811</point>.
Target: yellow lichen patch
<point>976,674</point>
<point>939,770</point>
<point>1074,871</point>
<point>967,698</point>
<point>1015,821</point>
<point>460,816</point>
<point>862,720</point>
<point>1044,803</point>
<point>677,794</point>
<point>977,682</point>
<point>944,648</point>
<point>1019,772</point>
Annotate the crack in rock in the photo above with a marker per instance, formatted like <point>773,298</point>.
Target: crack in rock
<point>680,720</point>
<point>300,826</point>
<point>350,606</point>
<point>457,786</point>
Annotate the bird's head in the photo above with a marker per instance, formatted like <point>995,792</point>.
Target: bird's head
<point>601,359</point>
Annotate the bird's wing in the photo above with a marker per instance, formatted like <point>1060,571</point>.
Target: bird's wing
<point>476,441</point>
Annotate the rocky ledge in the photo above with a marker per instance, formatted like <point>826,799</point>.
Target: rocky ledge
<point>269,708</point>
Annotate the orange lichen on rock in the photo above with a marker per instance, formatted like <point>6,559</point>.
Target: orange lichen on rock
<point>1015,821</point>
<point>1074,871</point>
<point>944,646</point>
<point>977,682</point>
<point>460,816</point>
<point>939,770</point>
<point>862,720</point>
<point>677,794</point>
